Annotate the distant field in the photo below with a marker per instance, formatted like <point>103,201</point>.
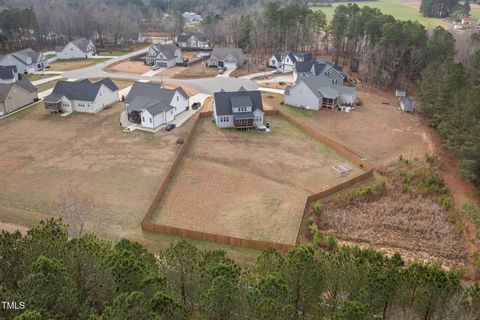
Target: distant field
<point>398,10</point>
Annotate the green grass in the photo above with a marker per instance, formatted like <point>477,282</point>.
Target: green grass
<point>72,64</point>
<point>397,10</point>
<point>35,77</point>
<point>52,55</point>
<point>475,10</point>
<point>47,85</point>
<point>113,53</point>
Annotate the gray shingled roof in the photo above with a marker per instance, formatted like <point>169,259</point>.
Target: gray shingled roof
<point>222,53</point>
<point>151,96</point>
<point>80,43</point>
<point>168,50</point>
<point>81,90</point>
<point>183,37</point>
<point>323,87</point>
<point>24,54</point>
<point>7,72</point>
<point>24,84</point>
<point>224,100</point>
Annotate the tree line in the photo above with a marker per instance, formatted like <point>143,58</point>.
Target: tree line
<point>92,278</point>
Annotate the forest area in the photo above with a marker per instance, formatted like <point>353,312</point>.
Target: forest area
<point>87,277</point>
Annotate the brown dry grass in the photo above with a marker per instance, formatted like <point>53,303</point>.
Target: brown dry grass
<point>127,66</point>
<point>47,85</point>
<point>377,132</point>
<point>198,70</point>
<point>248,184</point>
<point>249,68</point>
<point>72,64</point>
<point>275,85</point>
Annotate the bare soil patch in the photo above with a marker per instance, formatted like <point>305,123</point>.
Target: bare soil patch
<point>127,66</point>
<point>249,68</point>
<point>170,72</point>
<point>248,184</point>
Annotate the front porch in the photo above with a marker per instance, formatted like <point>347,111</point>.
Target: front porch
<point>54,107</point>
<point>330,103</point>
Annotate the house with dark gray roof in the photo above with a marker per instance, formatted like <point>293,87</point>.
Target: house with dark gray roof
<point>14,96</point>
<point>8,74</point>
<point>152,106</point>
<point>164,55</point>
<point>76,49</point>
<point>26,60</point>
<point>305,69</point>
<point>285,62</point>
<point>238,109</point>
<point>319,92</point>
<point>81,96</point>
<point>198,41</point>
<point>231,58</point>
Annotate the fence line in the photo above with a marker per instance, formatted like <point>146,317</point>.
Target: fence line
<point>249,243</point>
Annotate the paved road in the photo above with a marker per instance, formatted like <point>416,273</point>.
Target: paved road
<point>206,85</point>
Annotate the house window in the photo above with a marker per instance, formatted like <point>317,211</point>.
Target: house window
<point>177,98</point>
<point>150,120</point>
<point>143,119</point>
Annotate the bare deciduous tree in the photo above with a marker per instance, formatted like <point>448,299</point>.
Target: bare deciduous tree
<point>76,208</point>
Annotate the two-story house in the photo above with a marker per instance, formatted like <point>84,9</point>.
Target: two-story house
<point>286,62</point>
<point>164,55</point>
<point>238,109</point>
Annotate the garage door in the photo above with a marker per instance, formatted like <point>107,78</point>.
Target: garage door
<point>230,65</point>
<point>162,64</point>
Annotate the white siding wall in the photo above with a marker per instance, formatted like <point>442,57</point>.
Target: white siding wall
<point>347,98</point>
<point>259,121</point>
<point>302,96</point>
<point>104,98</point>
<point>70,51</point>
<point>179,102</point>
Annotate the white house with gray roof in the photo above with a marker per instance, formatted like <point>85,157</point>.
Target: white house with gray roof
<point>164,55</point>
<point>285,62</point>
<point>317,92</point>
<point>26,60</point>
<point>231,58</point>
<point>238,109</point>
<point>76,49</point>
<point>82,96</point>
<point>193,41</point>
<point>152,106</point>
<point>306,69</point>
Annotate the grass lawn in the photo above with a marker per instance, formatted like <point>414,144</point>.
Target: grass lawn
<point>72,64</point>
<point>51,55</point>
<point>47,85</point>
<point>35,77</point>
<point>113,53</point>
<point>397,10</point>
<point>475,10</point>
<point>20,113</point>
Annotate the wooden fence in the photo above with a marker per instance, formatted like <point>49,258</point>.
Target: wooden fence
<point>235,241</point>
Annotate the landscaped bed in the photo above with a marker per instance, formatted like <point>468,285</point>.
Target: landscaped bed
<point>248,184</point>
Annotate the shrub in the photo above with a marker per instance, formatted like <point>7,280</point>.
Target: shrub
<point>332,243</point>
<point>472,212</point>
<point>318,207</point>
<point>318,238</point>
<point>430,181</point>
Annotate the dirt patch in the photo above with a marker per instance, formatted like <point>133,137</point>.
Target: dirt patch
<point>243,183</point>
<point>72,64</point>
<point>127,66</point>
<point>170,72</point>
<point>198,70</point>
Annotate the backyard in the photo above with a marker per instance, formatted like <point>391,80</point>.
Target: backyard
<point>92,153</point>
<point>47,85</point>
<point>248,184</point>
<point>72,64</point>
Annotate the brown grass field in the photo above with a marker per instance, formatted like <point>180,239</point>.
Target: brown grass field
<point>44,155</point>
<point>127,66</point>
<point>248,184</point>
<point>72,64</point>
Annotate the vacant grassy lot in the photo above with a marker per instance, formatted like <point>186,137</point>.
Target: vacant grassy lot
<point>198,70</point>
<point>72,64</point>
<point>127,66</point>
<point>42,156</point>
<point>248,184</point>
<point>400,11</point>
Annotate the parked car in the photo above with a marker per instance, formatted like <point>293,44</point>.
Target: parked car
<point>221,71</point>
<point>196,105</point>
<point>155,67</point>
<point>170,127</point>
